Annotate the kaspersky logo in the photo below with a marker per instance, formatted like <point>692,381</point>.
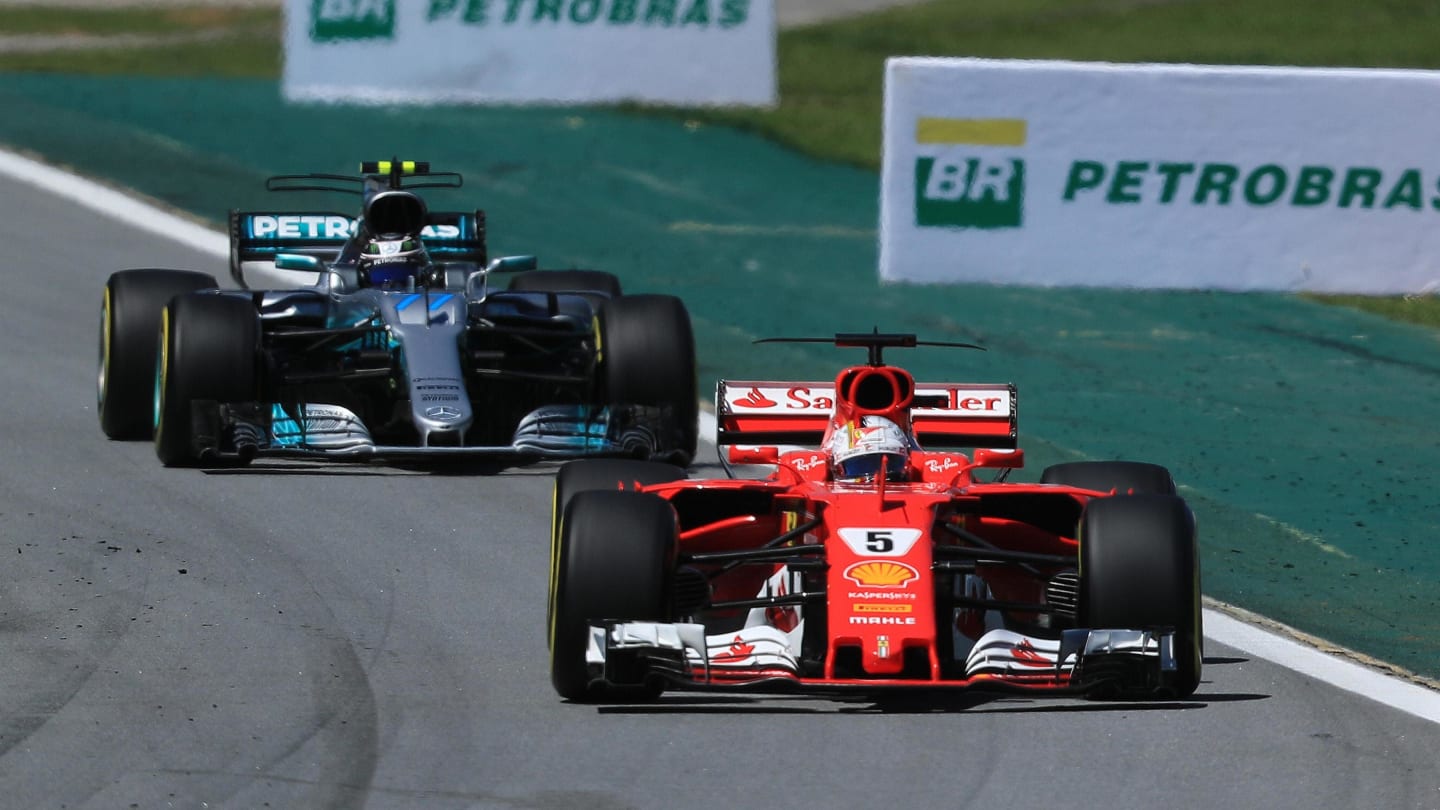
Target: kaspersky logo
<point>348,20</point>
<point>969,173</point>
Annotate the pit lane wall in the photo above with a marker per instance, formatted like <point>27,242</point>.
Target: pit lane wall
<point>692,52</point>
<point>1167,176</point>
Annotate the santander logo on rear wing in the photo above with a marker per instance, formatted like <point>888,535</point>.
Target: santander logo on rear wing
<point>770,412</point>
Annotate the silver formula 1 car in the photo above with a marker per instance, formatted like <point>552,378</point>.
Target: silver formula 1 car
<point>385,336</point>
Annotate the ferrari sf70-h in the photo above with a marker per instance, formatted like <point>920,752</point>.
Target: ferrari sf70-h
<point>892,553</point>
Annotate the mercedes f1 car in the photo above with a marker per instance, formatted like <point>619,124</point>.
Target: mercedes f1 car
<point>868,563</point>
<point>385,337</point>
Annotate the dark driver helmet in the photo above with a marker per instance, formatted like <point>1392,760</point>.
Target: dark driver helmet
<point>394,262</point>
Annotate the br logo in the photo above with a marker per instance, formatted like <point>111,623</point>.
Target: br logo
<point>969,179</point>
<point>342,20</point>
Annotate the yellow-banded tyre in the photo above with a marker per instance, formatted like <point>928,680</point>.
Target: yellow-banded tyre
<point>129,329</point>
<point>616,561</point>
<point>596,286</point>
<point>576,281</point>
<point>585,475</point>
<point>1133,477</point>
<point>209,351</point>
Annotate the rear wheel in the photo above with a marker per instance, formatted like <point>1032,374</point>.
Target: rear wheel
<point>1140,570</point>
<point>647,357</point>
<point>615,560</point>
<point>129,329</point>
<point>209,345</point>
<point>1104,476</point>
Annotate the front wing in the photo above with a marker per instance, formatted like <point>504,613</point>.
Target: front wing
<point>1081,660</point>
<point>242,432</point>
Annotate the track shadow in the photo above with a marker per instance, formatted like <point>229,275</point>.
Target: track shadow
<point>1216,660</point>
<point>466,468</point>
<point>922,702</point>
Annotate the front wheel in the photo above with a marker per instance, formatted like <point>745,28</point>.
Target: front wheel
<point>589,474</point>
<point>1123,477</point>
<point>1140,570</point>
<point>129,327</point>
<point>615,560</point>
<point>647,357</point>
<point>610,474</point>
<point>209,348</point>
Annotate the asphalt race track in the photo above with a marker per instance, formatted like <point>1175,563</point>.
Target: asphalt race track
<point>295,635</point>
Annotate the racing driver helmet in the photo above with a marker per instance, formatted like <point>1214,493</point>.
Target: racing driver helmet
<point>860,450</point>
<point>393,262</point>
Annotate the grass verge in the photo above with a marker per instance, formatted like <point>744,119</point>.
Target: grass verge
<point>831,75</point>
<point>142,41</point>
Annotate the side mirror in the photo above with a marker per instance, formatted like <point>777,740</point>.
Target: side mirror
<point>478,280</point>
<point>297,261</point>
<point>512,264</point>
<point>996,457</point>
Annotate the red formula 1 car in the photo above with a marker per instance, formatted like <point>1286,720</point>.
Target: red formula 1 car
<point>871,563</point>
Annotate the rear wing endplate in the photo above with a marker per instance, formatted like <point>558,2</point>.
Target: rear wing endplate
<point>797,413</point>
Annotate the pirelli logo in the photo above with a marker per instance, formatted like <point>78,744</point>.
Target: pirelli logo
<point>881,608</point>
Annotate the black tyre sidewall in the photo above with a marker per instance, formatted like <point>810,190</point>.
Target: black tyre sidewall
<point>615,560</point>
<point>648,358</point>
<point>586,475</point>
<point>1103,476</point>
<point>1140,569</point>
<point>596,281</point>
<point>130,316</point>
<point>210,353</point>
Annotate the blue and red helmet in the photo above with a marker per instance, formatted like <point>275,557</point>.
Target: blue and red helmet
<point>860,450</point>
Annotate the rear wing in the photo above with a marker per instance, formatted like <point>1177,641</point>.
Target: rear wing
<point>797,413</point>
<point>257,236</point>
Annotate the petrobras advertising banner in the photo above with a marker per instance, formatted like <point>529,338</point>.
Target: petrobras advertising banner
<point>1167,176</point>
<point>690,52</point>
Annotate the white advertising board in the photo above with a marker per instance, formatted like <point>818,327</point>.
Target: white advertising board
<point>1167,176</point>
<point>692,52</point>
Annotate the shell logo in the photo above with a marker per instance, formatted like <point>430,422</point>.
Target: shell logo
<point>881,574</point>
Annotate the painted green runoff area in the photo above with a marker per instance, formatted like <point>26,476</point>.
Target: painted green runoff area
<point>1304,435</point>
<point>831,74</point>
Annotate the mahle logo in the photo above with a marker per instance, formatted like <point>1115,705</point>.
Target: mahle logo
<point>344,20</point>
<point>968,174</point>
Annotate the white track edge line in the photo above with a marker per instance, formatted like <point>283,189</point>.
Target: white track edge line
<point>1335,670</point>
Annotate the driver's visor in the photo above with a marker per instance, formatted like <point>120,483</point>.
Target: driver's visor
<point>866,467</point>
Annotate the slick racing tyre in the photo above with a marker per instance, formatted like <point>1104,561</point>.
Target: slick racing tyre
<point>209,347</point>
<point>1140,570</point>
<point>596,286</point>
<point>647,357</point>
<point>615,560</point>
<point>609,473</point>
<point>1104,476</point>
<point>584,281</point>
<point>129,329</point>
<point>612,474</point>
